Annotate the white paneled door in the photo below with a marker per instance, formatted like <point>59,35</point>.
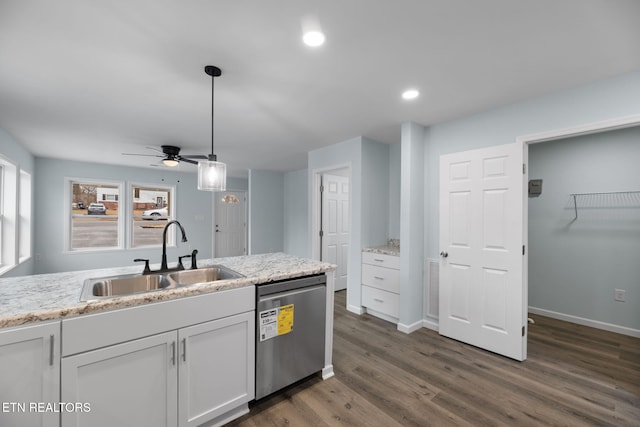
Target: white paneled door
<point>230,224</point>
<point>483,296</point>
<point>335,226</point>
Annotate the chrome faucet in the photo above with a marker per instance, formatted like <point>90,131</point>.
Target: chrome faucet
<point>163,266</point>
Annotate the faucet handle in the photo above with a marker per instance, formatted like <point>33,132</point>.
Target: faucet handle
<point>146,270</point>
<point>194,265</point>
<point>180,266</point>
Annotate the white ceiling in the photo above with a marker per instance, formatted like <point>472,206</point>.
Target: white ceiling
<point>89,80</point>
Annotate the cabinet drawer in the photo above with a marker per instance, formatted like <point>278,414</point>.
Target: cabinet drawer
<point>382,260</point>
<point>387,279</point>
<point>382,301</point>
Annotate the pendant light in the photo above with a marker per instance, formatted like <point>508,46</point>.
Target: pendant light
<point>212,174</point>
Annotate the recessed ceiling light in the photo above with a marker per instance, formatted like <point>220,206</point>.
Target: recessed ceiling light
<point>410,94</point>
<point>313,38</point>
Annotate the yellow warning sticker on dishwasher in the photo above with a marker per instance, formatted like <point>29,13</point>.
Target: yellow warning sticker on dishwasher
<point>276,321</point>
<point>285,319</point>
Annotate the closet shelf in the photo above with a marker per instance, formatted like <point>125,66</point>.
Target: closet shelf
<point>610,199</point>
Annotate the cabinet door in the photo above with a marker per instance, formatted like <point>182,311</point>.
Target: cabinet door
<point>129,384</point>
<point>30,375</point>
<point>216,368</point>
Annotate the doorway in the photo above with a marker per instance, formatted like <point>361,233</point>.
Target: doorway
<point>458,298</point>
<point>331,219</point>
<point>230,224</point>
<point>583,228</point>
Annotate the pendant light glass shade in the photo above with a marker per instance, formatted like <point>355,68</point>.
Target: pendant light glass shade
<point>212,175</point>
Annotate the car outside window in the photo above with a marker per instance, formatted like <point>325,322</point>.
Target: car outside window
<point>95,221</point>
<point>151,209</point>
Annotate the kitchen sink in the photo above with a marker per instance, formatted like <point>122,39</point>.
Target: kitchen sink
<point>109,287</point>
<point>202,275</point>
<point>130,284</point>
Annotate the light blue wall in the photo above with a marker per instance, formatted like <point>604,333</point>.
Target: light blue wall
<point>375,193</point>
<point>575,265</point>
<point>394,190</point>
<point>266,211</point>
<point>605,99</point>
<point>240,184</point>
<point>369,165</point>
<point>412,220</point>
<point>13,151</point>
<point>193,210</point>
<point>296,214</point>
<point>346,153</point>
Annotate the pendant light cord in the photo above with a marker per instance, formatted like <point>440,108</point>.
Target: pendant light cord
<point>212,156</point>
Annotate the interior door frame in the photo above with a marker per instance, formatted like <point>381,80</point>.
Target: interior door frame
<point>316,203</point>
<point>556,135</point>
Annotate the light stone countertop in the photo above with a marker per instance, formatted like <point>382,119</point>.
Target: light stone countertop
<point>54,296</point>
<point>384,249</point>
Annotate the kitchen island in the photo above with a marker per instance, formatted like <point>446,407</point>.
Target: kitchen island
<point>145,338</point>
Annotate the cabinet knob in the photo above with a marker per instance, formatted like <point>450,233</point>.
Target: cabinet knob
<point>444,254</point>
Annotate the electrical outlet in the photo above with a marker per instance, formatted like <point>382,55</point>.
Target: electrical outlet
<point>619,295</point>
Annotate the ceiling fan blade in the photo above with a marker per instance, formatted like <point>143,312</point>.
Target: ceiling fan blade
<point>182,159</point>
<point>145,155</point>
<point>193,156</point>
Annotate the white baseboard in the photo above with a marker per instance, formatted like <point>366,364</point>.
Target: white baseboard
<point>586,322</point>
<point>431,324</point>
<point>407,329</point>
<point>327,372</point>
<point>355,309</point>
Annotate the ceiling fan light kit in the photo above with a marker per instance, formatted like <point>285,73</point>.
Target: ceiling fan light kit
<point>212,175</point>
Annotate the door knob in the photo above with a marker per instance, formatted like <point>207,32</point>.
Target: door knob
<point>444,254</point>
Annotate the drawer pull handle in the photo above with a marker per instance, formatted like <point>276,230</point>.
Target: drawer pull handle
<point>378,260</point>
<point>173,353</point>
<point>378,300</point>
<point>378,277</point>
<point>184,349</point>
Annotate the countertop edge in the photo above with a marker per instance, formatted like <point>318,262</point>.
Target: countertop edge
<point>83,308</point>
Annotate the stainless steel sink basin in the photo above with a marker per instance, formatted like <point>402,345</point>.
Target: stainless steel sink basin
<point>109,287</point>
<point>129,284</point>
<point>202,275</point>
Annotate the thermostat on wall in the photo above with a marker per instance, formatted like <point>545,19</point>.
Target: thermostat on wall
<point>535,187</point>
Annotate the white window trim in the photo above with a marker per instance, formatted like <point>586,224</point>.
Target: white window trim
<point>14,237</point>
<point>67,212</point>
<point>129,203</point>
<point>25,216</point>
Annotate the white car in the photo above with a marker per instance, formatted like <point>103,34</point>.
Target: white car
<point>155,214</point>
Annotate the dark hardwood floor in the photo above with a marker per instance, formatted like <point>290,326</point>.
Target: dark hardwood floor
<point>573,376</point>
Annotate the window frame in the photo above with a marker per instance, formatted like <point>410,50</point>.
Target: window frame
<point>25,216</point>
<point>15,215</point>
<point>130,199</point>
<point>68,200</point>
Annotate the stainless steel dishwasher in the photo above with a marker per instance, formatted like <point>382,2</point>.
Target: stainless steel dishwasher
<point>290,332</point>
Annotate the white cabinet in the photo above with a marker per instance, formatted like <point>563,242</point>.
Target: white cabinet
<point>381,285</point>
<point>133,383</point>
<point>30,375</point>
<point>216,368</point>
<point>201,371</point>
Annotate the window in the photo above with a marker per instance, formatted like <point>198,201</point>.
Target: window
<point>94,215</point>
<point>151,209</point>
<point>15,215</point>
<point>24,231</point>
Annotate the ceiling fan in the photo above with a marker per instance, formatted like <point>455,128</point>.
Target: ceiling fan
<point>170,155</point>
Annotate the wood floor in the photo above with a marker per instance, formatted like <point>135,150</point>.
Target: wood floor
<point>573,376</point>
